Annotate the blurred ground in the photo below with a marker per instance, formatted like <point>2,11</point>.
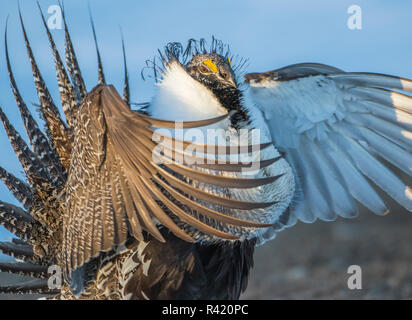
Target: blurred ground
<point>310,261</point>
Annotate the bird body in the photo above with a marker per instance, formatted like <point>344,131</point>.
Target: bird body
<point>182,98</point>
<point>147,270</point>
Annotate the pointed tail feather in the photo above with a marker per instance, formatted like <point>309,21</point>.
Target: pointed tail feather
<point>20,190</point>
<point>101,78</point>
<point>39,142</point>
<point>38,286</point>
<point>24,269</point>
<point>18,251</point>
<point>67,94</point>
<point>73,65</point>
<point>34,169</point>
<point>126,89</point>
<point>55,127</point>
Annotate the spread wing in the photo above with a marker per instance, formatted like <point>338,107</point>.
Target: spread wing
<point>116,188</point>
<point>339,131</point>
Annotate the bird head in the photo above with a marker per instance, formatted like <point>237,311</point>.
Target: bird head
<point>212,70</point>
<point>215,72</point>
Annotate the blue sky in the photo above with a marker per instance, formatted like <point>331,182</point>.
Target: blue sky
<point>271,33</point>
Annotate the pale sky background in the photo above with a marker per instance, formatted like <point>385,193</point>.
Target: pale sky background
<point>271,33</point>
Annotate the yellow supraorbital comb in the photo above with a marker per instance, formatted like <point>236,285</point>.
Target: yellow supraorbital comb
<point>212,66</point>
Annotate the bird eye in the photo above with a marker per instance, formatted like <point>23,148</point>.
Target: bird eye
<point>203,69</point>
<point>224,75</point>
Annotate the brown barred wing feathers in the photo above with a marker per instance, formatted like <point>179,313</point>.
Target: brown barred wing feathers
<point>112,169</point>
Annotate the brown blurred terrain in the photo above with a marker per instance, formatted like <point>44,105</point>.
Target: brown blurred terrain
<point>310,261</point>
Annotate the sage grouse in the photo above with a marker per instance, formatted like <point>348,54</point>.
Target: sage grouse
<point>121,226</point>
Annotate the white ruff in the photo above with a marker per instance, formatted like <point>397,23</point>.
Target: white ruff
<point>180,97</point>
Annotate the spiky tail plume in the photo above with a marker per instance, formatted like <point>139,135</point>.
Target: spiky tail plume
<point>38,224</point>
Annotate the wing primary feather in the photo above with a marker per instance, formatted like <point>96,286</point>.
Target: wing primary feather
<point>386,97</point>
<point>185,124</point>
<point>216,180</point>
<point>173,154</point>
<point>364,79</point>
<point>135,228</point>
<point>212,198</point>
<point>174,144</point>
<point>393,132</point>
<point>218,216</point>
<point>395,116</point>
<point>159,212</point>
<point>202,162</point>
<point>144,213</point>
<point>381,146</point>
<point>190,219</point>
<point>292,72</point>
<point>222,181</point>
<point>335,193</point>
<point>377,172</point>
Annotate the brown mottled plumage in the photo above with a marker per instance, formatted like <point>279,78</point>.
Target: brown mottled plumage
<point>95,199</point>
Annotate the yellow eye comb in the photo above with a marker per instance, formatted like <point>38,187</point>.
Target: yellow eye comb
<point>212,66</point>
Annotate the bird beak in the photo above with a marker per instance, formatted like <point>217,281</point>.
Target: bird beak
<point>231,83</point>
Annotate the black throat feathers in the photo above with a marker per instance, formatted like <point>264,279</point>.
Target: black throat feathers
<point>232,98</point>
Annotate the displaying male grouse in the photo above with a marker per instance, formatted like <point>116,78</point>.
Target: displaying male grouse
<point>121,226</point>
